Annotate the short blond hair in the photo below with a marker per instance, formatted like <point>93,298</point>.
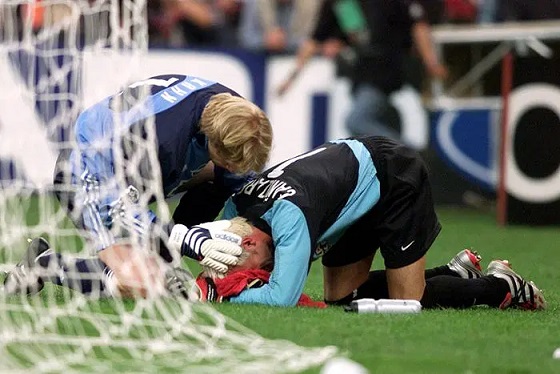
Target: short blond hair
<point>243,228</point>
<point>239,131</point>
<point>240,226</point>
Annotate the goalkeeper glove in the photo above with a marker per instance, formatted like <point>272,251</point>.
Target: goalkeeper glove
<point>208,243</point>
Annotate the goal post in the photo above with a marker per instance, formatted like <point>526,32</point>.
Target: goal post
<point>43,47</point>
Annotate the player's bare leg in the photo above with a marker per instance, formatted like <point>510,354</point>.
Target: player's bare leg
<point>407,282</point>
<point>340,281</point>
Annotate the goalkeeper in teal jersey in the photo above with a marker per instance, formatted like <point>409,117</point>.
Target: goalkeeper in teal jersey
<point>344,200</point>
<point>341,201</point>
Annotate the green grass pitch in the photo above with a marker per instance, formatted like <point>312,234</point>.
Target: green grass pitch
<point>477,340</point>
<point>473,341</point>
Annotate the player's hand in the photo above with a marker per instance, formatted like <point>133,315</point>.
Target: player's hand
<point>438,71</point>
<point>209,244</point>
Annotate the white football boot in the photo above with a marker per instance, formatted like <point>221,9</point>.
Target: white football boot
<point>467,264</point>
<point>523,294</point>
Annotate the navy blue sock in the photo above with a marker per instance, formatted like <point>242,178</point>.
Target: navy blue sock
<point>81,274</point>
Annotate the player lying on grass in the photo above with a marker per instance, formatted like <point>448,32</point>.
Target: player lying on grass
<point>343,201</point>
<point>208,139</point>
<point>459,284</point>
<point>143,274</point>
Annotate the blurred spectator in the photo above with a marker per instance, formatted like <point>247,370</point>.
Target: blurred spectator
<point>193,22</point>
<point>379,35</point>
<point>487,11</point>
<point>41,14</point>
<point>524,10</point>
<point>160,23</point>
<point>461,11</point>
<point>276,26</point>
<point>231,18</point>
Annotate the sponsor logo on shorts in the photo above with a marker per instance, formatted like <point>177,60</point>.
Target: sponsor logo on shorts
<point>404,248</point>
<point>321,249</point>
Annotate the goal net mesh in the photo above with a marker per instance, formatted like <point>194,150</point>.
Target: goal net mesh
<point>44,50</point>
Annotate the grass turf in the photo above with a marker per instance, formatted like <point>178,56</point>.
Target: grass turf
<point>477,340</point>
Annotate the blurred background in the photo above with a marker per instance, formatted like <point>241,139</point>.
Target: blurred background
<point>471,84</point>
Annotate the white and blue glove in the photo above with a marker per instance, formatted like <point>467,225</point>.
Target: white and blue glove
<point>208,243</point>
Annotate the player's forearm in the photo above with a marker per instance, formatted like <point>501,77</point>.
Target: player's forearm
<point>266,11</point>
<point>286,281</point>
<point>306,50</point>
<point>195,11</point>
<point>266,296</point>
<point>422,36</point>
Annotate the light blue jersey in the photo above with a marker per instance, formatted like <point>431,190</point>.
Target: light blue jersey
<point>114,129</point>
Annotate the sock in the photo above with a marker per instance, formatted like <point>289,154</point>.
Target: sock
<point>86,275</point>
<point>344,301</point>
<point>452,292</point>
<point>376,285</point>
<point>440,270</point>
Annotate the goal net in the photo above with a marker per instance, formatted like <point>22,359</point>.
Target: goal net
<point>43,48</point>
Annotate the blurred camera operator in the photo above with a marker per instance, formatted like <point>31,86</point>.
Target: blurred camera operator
<point>370,41</point>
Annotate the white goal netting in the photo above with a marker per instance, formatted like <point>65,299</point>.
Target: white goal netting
<point>44,46</point>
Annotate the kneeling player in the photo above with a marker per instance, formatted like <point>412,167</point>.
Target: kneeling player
<point>458,284</point>
<point>206,141</point>
<point>344,200</point>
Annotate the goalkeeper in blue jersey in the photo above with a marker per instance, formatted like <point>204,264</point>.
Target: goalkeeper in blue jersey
<point>344,200</point>
<point>205,142</point>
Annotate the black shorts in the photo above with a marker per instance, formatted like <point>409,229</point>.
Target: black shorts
<point>403,224</point>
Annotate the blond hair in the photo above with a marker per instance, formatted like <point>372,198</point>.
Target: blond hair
<point>243,228</point>
<point>239,131</point>
<point>240,226</point>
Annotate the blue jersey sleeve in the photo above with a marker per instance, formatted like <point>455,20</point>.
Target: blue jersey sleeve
<point>94,129</point>
<point>290,235</point>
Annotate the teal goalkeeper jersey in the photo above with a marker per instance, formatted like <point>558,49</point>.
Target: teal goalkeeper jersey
<point>307,203</point>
